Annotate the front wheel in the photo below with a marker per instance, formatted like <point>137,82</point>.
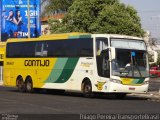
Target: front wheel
<point>87,90</point>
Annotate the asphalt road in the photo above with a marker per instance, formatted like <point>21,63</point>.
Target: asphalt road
<point>12,101</point>
<point>45,103</point>
<point>154,84</point>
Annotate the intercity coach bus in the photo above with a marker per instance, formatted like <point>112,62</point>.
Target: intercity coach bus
<point>87,63</point>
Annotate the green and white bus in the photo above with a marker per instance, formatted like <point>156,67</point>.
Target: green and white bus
<point>81,62</point>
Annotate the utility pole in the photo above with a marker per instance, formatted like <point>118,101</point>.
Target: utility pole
<point>29,19</point>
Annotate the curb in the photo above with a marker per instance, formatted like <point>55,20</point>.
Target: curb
<point>149,95</point>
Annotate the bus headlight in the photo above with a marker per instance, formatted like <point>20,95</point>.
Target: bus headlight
<point>116,81</point>
<point>146,82</point>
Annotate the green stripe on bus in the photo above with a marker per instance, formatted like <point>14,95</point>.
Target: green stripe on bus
<point>68,70</point>
<point>57,70</point>
<point>80,36</point>
<point>140,81</point>
<point>135,81</point>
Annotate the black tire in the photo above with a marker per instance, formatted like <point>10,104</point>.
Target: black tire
<point>20,84</point>
<point>29,85</point>
<point>87,90</point>
<point>120,95</point>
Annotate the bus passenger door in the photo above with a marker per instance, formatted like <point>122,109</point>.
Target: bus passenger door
<point>103,64</point>
<point>102,60</point>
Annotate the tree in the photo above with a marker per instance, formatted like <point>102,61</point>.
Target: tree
<point>101,16</point>
<point>56,6</point>
<point>150,57</point>
<point>56,26</point>
<point>158,61</point>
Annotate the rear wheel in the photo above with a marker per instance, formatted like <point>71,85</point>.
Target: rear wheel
<point>29,85</point>
<point>20,84</point>
<point>87,90</point>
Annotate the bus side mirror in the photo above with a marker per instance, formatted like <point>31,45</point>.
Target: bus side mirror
<point>154,56</point>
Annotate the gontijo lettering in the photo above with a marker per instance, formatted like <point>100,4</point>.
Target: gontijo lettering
<point>36,62</point>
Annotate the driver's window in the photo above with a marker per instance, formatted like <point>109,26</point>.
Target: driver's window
<point>101,44</point>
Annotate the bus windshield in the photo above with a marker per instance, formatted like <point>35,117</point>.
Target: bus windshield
<point>130,63</point>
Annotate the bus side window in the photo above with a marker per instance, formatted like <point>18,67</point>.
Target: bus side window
<point>44,49</point>
<point>41,49</point>
<point>38,49</point>
<point>101,44</point>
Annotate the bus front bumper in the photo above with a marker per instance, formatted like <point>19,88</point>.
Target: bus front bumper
<point>120,88</point>
<point>115,87</point>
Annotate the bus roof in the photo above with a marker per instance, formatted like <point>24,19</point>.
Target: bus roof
<point>72,36</point>
<point>52,37</point>
<point>64,34</point>
<point>118,36</point>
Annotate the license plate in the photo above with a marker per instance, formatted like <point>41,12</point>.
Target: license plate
<point>131,88</point>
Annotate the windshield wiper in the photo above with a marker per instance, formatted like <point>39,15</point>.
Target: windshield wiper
<point>138,71</point>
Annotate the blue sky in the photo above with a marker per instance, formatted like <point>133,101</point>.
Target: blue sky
<point>149,12</point>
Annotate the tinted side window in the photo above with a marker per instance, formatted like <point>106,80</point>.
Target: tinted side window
<point>86,47</point>
<point>71,48</point>
<point>21,49</point>
<point>41,49</point>
<point>54,48</point>
<point>81,47</point>
<point>101,44</point>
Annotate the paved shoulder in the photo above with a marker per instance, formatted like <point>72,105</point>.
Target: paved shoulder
<point>154,95</point>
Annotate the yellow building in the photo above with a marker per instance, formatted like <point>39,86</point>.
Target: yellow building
<point>2,52</point>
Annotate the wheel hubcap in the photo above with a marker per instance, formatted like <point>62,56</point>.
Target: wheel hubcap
<point>20,84</point>
<point>87,89</point>
<point>29,86</point>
